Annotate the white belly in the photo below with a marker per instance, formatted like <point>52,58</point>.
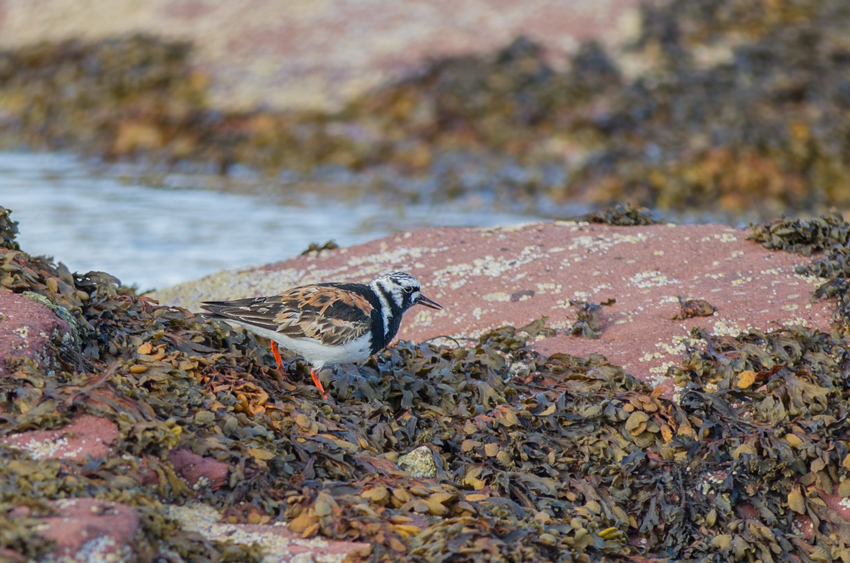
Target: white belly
<point>315,352</point>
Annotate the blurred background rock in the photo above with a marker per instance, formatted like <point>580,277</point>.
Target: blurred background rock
<point>723,110</point>
<point>304,54</point>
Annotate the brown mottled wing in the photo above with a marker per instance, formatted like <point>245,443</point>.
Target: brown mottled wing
<point>326,313</point>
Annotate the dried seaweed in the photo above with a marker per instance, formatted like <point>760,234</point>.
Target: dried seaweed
<point>622,216</point>
<point>802,236</point>
<point>693,308</point>
<point>8,230</point>
<point>588,323</point>
<point>316,247</point>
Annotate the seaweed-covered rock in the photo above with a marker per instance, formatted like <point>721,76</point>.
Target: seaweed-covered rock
<point>538,457</point>
<point>622,215</point>
<point>254,59</point>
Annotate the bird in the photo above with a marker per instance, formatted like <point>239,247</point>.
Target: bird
<point>327,323</point>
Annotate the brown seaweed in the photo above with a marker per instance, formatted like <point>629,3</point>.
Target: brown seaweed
<point>536,458</point>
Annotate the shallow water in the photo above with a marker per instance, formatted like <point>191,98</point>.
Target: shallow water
<point>91,218</point>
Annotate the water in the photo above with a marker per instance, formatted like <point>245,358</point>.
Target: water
<point>91,219</point>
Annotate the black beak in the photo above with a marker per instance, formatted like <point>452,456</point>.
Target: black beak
<point>428,303</point>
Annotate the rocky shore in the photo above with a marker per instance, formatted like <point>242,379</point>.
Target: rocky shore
<point>159,434</point>
<point>608,389</point>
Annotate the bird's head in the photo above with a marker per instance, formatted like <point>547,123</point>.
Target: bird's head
<point>402,291</point>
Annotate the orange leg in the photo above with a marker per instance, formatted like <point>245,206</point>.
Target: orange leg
<point>315,375</point>
<point>276,353</point>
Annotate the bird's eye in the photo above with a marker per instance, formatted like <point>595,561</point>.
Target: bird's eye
<point>409,289</point>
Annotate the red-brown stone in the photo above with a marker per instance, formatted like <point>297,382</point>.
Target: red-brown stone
<point>90,530</point>
<point>28,329</point>
<point>86,436</point>
<point>193,468</point>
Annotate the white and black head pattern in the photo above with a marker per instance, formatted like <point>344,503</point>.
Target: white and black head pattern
<point>398,292</point>
<point>399,288</point>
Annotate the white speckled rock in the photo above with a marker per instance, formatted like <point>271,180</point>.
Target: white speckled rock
<point>490,277</point>
<point>278,544</point>
<point>419,463</point>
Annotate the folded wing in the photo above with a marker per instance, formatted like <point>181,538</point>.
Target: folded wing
<point>326,313</point>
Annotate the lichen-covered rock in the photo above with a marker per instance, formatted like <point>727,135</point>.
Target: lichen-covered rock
<point>419,463</point>
<point>281,545</point>
<point>30,330</point>
<point>489,277</point>
<point>87,437</point>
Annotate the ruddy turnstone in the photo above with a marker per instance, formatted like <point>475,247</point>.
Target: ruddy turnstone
<point>328,323</point>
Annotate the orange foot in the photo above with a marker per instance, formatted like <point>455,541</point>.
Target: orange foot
<point>276,353</point>
<point>315,375</point>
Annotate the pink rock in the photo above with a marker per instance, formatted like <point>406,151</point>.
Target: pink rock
<point>86,436</point>
<point>193,468</point>
<point>28,329</point>
<point>487,278</point>
<point>90,530</point>
<point>313,55</point>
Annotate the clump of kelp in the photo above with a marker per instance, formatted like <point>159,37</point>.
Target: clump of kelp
<point>828,235</point>
<point>622,216</point>
<point>538,459</point>
<point>740,102</point>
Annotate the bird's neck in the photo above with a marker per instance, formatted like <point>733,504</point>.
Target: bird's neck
<point>391,313</point>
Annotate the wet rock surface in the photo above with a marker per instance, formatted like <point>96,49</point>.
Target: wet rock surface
<point>487,278</point>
